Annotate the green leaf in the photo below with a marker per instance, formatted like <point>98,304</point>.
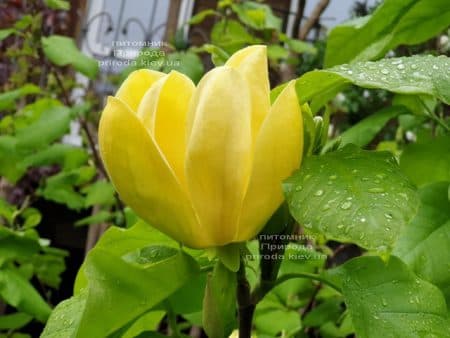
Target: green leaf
<point>427,162</point>
<point>352,195</point>
<point>14,321</point>
<point>365,130</point>
<point>219,306</point>
<point>62,51</point>
<point>121,270</point>
<point>49,265</point>
<point>60,188</point>
<point>32,217</point>
<point>218,55</point>
<point>7,99</point>
<point>200,16</point>
<point>424,245</point>
<point>69,157</point>
<point>136,287</point>
<point>301,47</point>
<point>273,319</point>
<point>4,33</point>
<point>256,15</point>
<point>149,321</point>
<point>388,300</point>
<point>16,291</point>
<point>277,52</point>
<point>230,36</point>
<point>230,256</point>
<point>17,244</point>
<point>99,193</point>
<point>50,126</point>
<point>99,217</point>
<point>394,23</point>
<point>187,63</point>
<point>58,4</point>
<point>65,318</point>
<point>407,75</point>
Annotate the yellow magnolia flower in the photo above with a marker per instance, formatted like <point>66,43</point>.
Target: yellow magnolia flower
<point>203,164</point>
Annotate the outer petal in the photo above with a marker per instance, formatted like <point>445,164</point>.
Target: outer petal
<point>163,110</point>
<point>142,177</point>
<point>277,154</point>
<point>251,62</point>
<point>218,158</point>
<point>134,87</point>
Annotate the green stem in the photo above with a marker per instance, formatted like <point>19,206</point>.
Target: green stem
<point>172,321</point>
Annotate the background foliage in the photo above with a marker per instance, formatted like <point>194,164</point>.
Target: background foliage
<point>366,225</point>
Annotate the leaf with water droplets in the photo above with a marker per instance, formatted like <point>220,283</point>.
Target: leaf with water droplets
<point>388,300</point>
<point>419,74</point>
<point>368,203</point>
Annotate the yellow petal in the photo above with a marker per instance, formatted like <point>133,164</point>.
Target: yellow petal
<point>251,62</point>
<point>218,157</point>
<point>163,110</point>
<point>142,177</point>
<point>136,85</point>
<point>278,152</point>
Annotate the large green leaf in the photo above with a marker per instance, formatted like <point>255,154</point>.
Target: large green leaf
<point>16,291</point>
<point>388,300</point>
<point>394,23</point>
<point>406,75</point>
<point>352,195</point>
<point>128,273</point>
<point>425,244</point>
<point>62,51</point>
<point>427,162</point>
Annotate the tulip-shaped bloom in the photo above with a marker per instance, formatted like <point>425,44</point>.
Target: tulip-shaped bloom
<point>203,164</point>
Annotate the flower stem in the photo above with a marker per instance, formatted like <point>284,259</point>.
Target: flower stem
<point>245,306</point>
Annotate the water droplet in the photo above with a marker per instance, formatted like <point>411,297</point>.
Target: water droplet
<point>365,179</point>
<point>354,171</point>
<point>298,188</point>
<point>346,205</point>
<point>349,198</point>
<point>384,71</point>
<point>435,67</point>
<point>387,229</point>
<point>400,66</point>
<point>388,216</point>
<point>384,302</point>
<point>318,193</point>
<point>376,317</point>
<point>362,219</point>
<point>413,66</point>
<point>340,226</point>
<point>376,190</point>
<point>332,177</point>
<point>350,72</point>
<point>326,207</point>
